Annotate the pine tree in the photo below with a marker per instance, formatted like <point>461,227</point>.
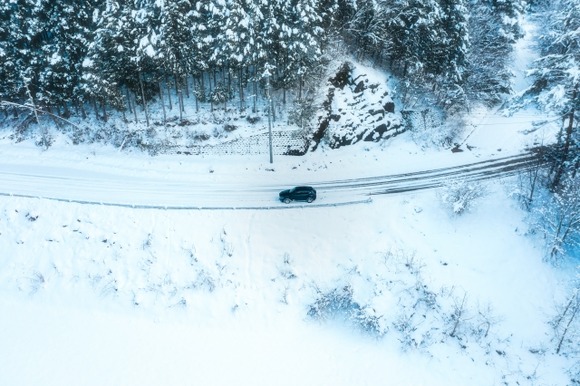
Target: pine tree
<point>68,28</point>
<point>299,42</point>
<point>362,25</point>
<point>43,44</point>
<point>556,84</point>
<point>493,29</point>
<point>11,36</point>
<point>20,41</point>
<point>236,46</point>
<point>414,31</point>
<point>450,64</point>
<point>106,66</point>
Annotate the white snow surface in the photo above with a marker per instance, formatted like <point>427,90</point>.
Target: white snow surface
<point>98,295</point>
<point>95,294</point>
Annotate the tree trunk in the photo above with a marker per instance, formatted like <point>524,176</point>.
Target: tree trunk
<point>241,85</point>
<point>105,111</point>
<point>168,92</point>
<point>129,104</point>
<point>143,96</point>
<point>162,103</point>
<point>560,168</point>
<point>202,84</point>
<point>565,332</point>
<point>95,108</point>
<point>180,101</point>
<point>34,104</point>
<point>196,87</point>
<point>134,107</point>
<point>255,94</point>
<point>210,90</point>
<point>229,88</point>
<point>83,112</point>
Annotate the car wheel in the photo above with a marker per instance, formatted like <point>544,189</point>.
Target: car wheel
<point>287,200</point>
<point>310,199</point>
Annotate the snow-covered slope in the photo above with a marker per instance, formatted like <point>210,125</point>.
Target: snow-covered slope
<point>397,291</point>
<point>93,295</point>
<point>360,294</point>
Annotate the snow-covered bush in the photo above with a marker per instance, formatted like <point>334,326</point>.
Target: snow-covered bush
<point>460,195</point>
<point>45,140</point>
<point>398,300</point>
<point>566,325</point>
<point>557,216</point>
<point>32,283</point>
<point>530,182</point>
<point>302,112</point>
<point>339,303</point>
<point>430,128</point>
<point>574,373</point>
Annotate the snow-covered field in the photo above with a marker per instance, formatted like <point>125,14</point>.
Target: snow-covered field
<point>398,290</point>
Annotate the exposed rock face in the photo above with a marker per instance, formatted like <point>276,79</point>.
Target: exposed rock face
<point>356,109</point>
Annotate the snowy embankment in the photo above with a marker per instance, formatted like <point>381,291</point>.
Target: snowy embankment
<point>146,297</point>
<point>395,292</point>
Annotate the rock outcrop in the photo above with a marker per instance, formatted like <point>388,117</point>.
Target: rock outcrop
<point>356,109</point>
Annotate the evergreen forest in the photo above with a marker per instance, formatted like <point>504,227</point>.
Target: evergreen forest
<point>81,57</point>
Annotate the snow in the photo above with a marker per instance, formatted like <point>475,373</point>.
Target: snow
<point>103,295</point>
<point>55,58</point>
<point>108,295</point>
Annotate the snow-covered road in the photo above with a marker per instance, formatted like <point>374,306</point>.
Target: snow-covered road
<point>116,187</point>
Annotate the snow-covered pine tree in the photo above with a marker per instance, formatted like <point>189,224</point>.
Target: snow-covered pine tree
<point>301,41</point>
<point>67,28</point>
<point>43,44</point>
<point>177,52</point>
<point>244,55</point>
<point>21,40</point>
<point>507,13</point>
<point>412,27</point>
<point>205,17</point>
<point>11,40</point>
<point>414,30</point>
<point>261,43</point>
<point>106,67</point>
<point>267,45</point>
<point>556,86</point>
<point>493,30</point>
<point>233,47</point>
<point>450,62</point>
<point>145,53</point>
<point>361,24</point>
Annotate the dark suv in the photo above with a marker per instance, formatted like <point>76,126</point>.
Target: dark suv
<point>299,193</point>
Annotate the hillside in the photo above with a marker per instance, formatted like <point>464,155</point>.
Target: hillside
<point>328,295</point>
<point>422,288</point>
<point>399,290</point>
